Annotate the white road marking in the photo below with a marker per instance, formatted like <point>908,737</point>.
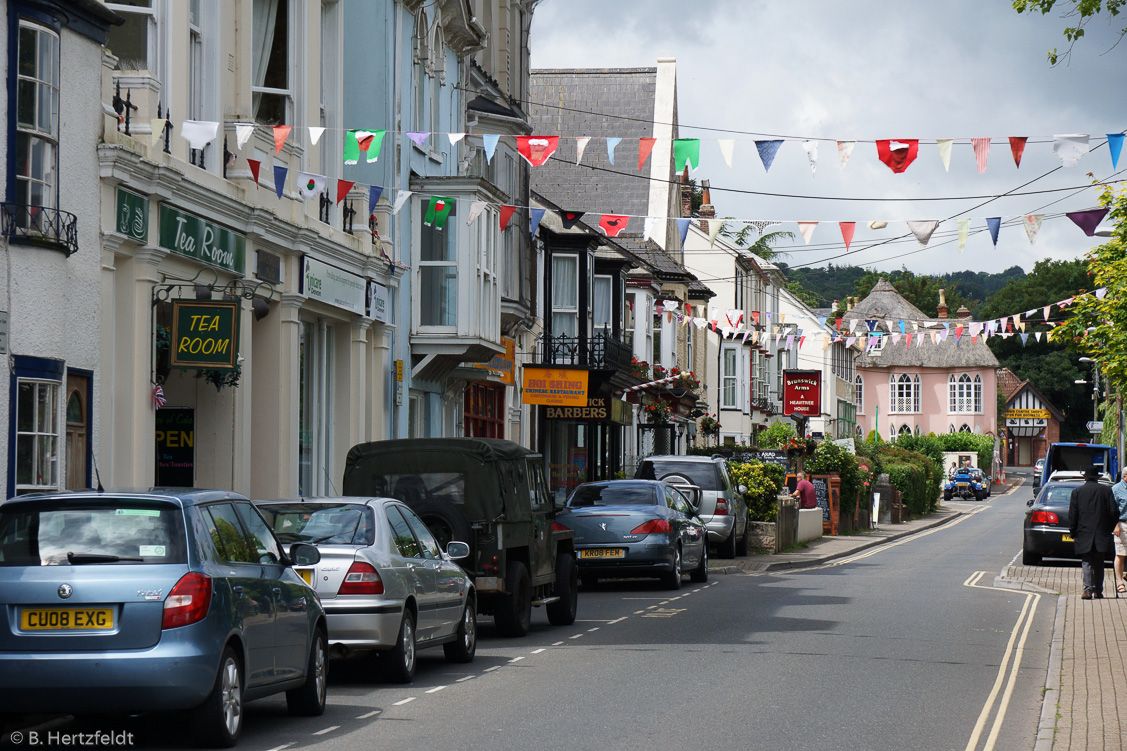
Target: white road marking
<point>490,670</point>
<point>279,748</point>
<point>467,678</point>
<point>651,607</point>
<point>401,702</point>
<point>537,651</point>
<point>616,620</point>
<point>596,628</point>
<point>373,713</point>
<point>329,729</point>
<point>577,636</point>
<point>556,644</point>
<point>664,602</point>
<point>435,690</point>
<point>643,598</point>
<point>638,612</point>
<point>516,659</point>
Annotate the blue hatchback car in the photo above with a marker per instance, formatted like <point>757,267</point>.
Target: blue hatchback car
<point>159,600</point>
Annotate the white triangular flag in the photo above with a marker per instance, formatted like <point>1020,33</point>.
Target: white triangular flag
<point>844,149</point>
<point>811,148</point>
<point>807,230</point>
<point>310,185</point>
<point>714,227</point>
<point>455,137</point>
<point>315,133</point>
<point>923,229</point>
<point>1032,224</point>
<point>476,207</point>
<point>963,226</point>
<point>727,146</point>
<point>400,200</point>
<point>944,145</point>
<point>198,133</point>
<point>243,132</point>
<point>1070,148</point>
<point>580,147</point>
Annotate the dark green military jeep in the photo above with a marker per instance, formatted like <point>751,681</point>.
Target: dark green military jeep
<point>488,493</point>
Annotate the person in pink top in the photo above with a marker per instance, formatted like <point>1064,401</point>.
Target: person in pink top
<point>804,492</point>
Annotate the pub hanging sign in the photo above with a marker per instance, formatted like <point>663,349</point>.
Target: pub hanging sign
<point>205,334</point>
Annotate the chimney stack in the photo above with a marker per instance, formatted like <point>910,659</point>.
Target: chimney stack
<point>686,194</point>
<point>942,305</point>
<point>962,312</point>
<point>707,210</point>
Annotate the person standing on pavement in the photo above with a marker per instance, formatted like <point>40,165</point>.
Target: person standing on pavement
<point>1093,517</point>
<point>1119,490</point>
<point>804,492</point>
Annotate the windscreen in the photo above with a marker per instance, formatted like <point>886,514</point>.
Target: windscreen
<point>618,494</point>
<point>122,532</point>
<point>705,475</point>
<point>1057,495</point>
<point>338,523</point>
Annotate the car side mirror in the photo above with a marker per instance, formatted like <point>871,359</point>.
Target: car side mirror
<point>742,489</point>
<point>457,550</point>
<point>1029,502</point>
<point>304,554</point>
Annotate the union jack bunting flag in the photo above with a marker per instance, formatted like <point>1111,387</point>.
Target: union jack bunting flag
<point>158,397</point>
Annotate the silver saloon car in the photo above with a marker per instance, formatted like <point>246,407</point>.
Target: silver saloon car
<point>383,580</point>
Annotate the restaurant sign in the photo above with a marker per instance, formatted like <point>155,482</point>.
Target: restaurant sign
<point>195,237</point>
<point>205,334</point>
<point>503,364</point>
<point>555,387</point>
<point>802,393</point>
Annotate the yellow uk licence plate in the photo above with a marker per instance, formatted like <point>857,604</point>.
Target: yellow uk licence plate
<point>66,619</point>
<point>602,553</point>
<point>307,575</point>
<point>1066,538</point>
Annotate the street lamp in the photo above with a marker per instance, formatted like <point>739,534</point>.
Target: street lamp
<point>1095,387</point>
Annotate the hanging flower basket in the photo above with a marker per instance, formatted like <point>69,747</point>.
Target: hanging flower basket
<point>709,425</point>
<point>657,412</point>
<point>686,379</point>
<point>800,447</point>
<point>639,369</point>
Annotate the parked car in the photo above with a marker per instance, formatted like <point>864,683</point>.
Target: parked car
<point>1038,468</point>
<point>159,600</point>
<point>1045,532</point>
<point>722,509</point>
<point>490,493</point>
<point>628,528</point>
<point>385,584</point>
<point>977,475</point>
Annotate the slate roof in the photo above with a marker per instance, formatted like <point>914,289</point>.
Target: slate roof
<point>624,101</point>
<point>884,304</point>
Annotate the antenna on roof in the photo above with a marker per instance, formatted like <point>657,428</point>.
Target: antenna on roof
<point>97,477</point>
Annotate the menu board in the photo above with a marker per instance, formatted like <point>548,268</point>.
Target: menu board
<point>822,493</point>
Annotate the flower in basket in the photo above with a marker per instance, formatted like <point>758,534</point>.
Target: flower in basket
<point>686,379</point>
<point>709,425</point>
<point>639,368</point>
<point>657,412</point>
<point>659,372</point>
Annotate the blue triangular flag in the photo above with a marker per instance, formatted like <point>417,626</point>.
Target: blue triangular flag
<point>535,215</point>
<point>374,193</point>
<point>821,321</point>
<point>872,325</point>
<point>1024,339</point>
<point>767,151</point>
<point>611,143</point>
<point>1115,146</point>
<point>683,226</point>
<point>490,142</point>
<point>993,223</point>
<point>280,179</point>
<point>901,326</point>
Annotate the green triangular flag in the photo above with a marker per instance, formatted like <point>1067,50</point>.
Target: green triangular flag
<point>686,150</point>
<point>437,211</point>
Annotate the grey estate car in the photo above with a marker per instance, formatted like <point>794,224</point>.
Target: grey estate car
<point>165,599</point>
<point>385,583</point>
<point>722,509</point>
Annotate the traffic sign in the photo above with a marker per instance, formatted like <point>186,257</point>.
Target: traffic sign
<point>1095,426</point>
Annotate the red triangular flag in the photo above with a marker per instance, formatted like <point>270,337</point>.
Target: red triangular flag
<point>612,224</point>
<point>281,133</point>
<point>847,232</point>
<point>900,157</point>
<point>907,341</point>
<point>254,164</point>
<point>1017,146</point>
<point>755,317</point>
<point>645,146</point>
<point>506,215</point>
<point>343,186</point>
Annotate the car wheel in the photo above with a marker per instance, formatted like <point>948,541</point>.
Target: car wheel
<point>399,661</point>
<point>219,720</point>
<point>1029,558</point>
<point>513,615</point>
<point>308,700</point>
<point>741,544</point>
<point>699,574</point>
<point>727,549</point>
<point>946,496</point>
<point>464,647</point>
<point>562,611</point>
<point>672,579</point>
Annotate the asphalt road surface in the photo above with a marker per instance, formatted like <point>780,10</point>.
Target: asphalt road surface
<point>905,646</point>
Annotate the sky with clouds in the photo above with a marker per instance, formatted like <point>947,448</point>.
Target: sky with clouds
<point>867,70</point>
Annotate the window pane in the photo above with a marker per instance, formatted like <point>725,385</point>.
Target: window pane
<point>46,460</point>
<point>438,244</point>
<point>565,324</point>
<point>130,41</point>
<point>46,109</point>
<point>565,281</point>
<point>25,407</point>
<point>25,459</point>
<point>47,421</point>
<point>228,535</point>
<point>404,540</point>
<point>602,306</point>
<point>262,542</point>
<point>25,104</point>
<point>27,51</point>
<point>439,300</point>
<point>277,68</point>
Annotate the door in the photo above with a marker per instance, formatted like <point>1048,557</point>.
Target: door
<point>690,529</point>
<point>291,617</point>
<point>417,573</point>
<point>78,387</point>
<point>1025,452</point>
<point>252,595</point>
<point>449,580</point>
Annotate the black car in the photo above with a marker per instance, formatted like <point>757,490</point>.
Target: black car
<point>1046,524</point>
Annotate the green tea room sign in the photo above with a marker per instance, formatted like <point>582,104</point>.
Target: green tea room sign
<point>195,237</point>
<point>205,334</point>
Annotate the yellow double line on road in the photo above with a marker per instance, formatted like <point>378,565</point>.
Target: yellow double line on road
<point>1011,658</point>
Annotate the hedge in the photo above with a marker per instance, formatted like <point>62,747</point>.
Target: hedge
<point>763,481</point>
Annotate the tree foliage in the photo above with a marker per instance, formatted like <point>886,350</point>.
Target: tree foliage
<point>776,435</point>
<point>1084,11</point>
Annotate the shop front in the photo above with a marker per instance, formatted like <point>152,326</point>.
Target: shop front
<point>585,443</point>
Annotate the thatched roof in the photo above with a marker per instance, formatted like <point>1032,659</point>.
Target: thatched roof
<point>885,303</point>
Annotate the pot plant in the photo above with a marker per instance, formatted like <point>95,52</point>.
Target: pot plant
<point>657,412</point>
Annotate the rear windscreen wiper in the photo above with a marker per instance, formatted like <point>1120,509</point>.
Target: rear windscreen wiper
<point>79,558</point>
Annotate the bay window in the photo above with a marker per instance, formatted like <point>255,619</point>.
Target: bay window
<point>565,295</point>
<point>438,271</point>
<point>270,58</point>
<point>728,379</point>
<point>37,117</point>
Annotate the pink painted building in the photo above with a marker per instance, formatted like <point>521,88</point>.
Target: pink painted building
<point>904,386</point>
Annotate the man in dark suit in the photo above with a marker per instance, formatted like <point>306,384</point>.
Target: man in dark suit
<point>1093,517</point>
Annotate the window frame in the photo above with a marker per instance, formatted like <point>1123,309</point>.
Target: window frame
<point>964,394</point>
<point>152,32</point>
<point>905,388</point>
<point>729,378</point>
<point>37,435</point>
<point>859,393</point>
<point>26,136</point>
<point>289,94</point>
<point>449,261</point>
<point>560,309</point>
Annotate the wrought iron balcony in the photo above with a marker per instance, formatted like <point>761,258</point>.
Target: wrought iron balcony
<point>600,351</point>
<point>765,405</point>
<point>39,225</point>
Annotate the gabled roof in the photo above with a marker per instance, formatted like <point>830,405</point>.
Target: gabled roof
<point>1025,387</point>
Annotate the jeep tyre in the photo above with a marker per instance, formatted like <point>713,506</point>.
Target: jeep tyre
<point>446,522</point>
<point>513,611</point>
<point>562,611</point>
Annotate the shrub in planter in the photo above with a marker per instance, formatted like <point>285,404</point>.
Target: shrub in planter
<point>763,481</point>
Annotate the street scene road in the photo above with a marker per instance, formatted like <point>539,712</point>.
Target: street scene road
<point>904,645</point>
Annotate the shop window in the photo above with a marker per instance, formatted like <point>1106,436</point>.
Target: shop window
<point>438,271</point>
<point>315,409</point>
<point>134,43</point>
<point>270,58</point>
<point>484,411</point>
<point>565,295</point>
<point>37,118</point>
<point>37,435</point>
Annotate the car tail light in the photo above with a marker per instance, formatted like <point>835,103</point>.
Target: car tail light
<point>1044,517</point>
<point>557,527</point>
<point>653,527</point>
<point>361,579</point>
<point>188,602</point>
<point>721,507</point>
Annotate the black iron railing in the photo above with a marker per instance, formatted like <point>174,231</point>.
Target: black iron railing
<point>600,351</point>
<point>39,225</point>
<point>766,405</point>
